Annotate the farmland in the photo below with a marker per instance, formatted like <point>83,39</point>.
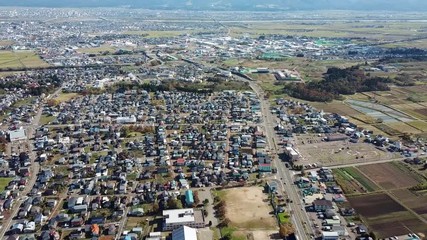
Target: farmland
<point>352,181</point>
<point>389,175</point>
<point>20,59</point>
<point>385,216</point>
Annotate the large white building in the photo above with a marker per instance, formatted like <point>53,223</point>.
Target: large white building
<point>17,135</point>
<point>176,218</point>
<point>184,233</point>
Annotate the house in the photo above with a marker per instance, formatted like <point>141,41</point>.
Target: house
<point>322,205</point>
<point>94,229</point>
<point>137,212</point>
<point>184,233</point>
<point>176,218</point>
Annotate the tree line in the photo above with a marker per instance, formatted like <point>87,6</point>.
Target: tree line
<point>337,82</point>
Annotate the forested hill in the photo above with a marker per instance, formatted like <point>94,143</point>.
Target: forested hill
<point>248,5</point>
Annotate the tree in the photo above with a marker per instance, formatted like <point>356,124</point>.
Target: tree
<point>286,229</point>
<point>206,202</point>
<point>156,207</point>
<point>173,203</point>
<point>196,198</point>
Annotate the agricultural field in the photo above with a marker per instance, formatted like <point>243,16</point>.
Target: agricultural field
<point>403,127</point>
<point>352,181</point>
<point>391,175</point>
<point>249,212</point>
<point>385,216</point>
<point>416,201</point>
<point>20,59</point>
<point>391,31</point>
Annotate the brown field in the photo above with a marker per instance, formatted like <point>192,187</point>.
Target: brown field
<point>422,111</point>
<point>247,209</point>
<point>385,216</point>
<point>416,202</point>
<point>389,175</point>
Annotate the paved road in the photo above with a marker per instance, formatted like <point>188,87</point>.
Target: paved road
<point>300,218</point>
<point>361,163</point>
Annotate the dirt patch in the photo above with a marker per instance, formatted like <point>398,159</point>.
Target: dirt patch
<point>248,208</point>
<point>389,176</point>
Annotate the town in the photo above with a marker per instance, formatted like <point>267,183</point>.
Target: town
<point>169,128</point>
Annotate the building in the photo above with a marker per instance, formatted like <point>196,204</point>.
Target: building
<point>126,120</point>
<point>330,236</point>
<point>189,198</point>
<point>184,233</point>
<point>322,205</point>
<point>287,75</point>
<point>336,137</point>
<point>176,218</point>
<point>292,154</point>
<point>17,135</point>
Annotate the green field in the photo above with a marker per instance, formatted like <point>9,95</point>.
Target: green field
<point>352,181</point>
<point>420,125</point>
<point>65,97</point>
<point>20,59</point>
<point>96,50</point>
<point>4,182</point>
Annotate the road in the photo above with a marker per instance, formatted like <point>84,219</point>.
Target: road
<point>34,168</point>
<point>300,218</point>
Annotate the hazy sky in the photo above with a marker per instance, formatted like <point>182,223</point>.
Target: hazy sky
<point>406,5</point>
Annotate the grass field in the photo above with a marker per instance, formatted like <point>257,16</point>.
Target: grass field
<point>403,127</point>
<point>97,50</point>
<point>420,125</point>
<point>65,97</point>
<point>20,59</point>
<point>4,182</point>
<point>46,119</point>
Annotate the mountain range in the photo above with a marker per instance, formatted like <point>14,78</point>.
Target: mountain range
<point>244,5</point>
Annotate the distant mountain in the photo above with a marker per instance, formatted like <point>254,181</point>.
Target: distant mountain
<point>244,5</point>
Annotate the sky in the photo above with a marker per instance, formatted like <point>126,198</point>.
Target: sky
<point>393,5</point>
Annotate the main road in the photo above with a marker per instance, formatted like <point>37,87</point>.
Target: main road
<point>300,218</point>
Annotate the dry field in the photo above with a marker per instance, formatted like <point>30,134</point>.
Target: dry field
<point>385,216</point>
<point>389,175</point>
<point>416,202</point>
<point>248,210</point>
